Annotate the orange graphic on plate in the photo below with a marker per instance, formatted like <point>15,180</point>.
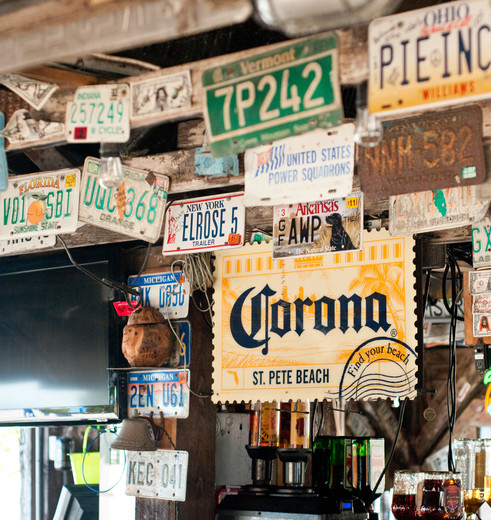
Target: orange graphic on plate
<point>35,212</point>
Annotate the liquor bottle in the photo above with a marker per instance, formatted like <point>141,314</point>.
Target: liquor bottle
<point>320,464</point>
<point>452,497</point>
<point>300,425</point>
<point>377,464</point>
<point>255,425</point>
<point>359,462</point>
<point>270,424</point>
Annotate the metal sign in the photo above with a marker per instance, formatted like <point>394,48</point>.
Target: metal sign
<point>438,150</point>
<point>161,94</point>
<point>316,327</point>
<point>481,243</point>
<point>206,164</point>
<point>205,224</point>
<point>439,55</point>
<point>432,210</point>
<point>313,166</point>
<point>327,226</point>
<point>15,245</point>
<point>166,291</point>
<point>286,91</point>
<point>159,390</point>
<point>136,208</point>
<point>40,204</point>
<point>157,474</point>
<point>99,114</point>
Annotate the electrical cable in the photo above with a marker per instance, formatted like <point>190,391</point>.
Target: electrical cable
<point>402,409</point>
<point>103,431</point>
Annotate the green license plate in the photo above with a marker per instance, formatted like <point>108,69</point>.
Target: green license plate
<point>273,95</point>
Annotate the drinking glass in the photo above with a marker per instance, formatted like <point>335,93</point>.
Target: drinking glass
<point>404,495</point>
<point>432,500</point>
<point>470,462</point>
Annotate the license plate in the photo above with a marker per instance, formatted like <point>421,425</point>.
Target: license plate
<point>205,224</point>
<point>432,210</point>
<point>481,244</point>
<point>165,291</point>
<point>164,390</point>
<point>157,474</point>
<point>435,56</point>
<point>276,94</point>
<point>40,204</point>
<point>14,245</point>
<point>317,165</point>
<point>438,150</point>
<point>136,208</point>
<point>326,226</point>
<point>99,114</point>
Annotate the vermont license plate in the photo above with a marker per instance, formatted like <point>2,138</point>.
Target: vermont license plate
<point>40,204</point>
<point>99,114</point>
<point>286,91</point>
<point>136,208</point>
<point>165,291</point>
<point>164,390</point>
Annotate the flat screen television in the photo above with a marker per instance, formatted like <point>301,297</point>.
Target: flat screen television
<point>59,338</point>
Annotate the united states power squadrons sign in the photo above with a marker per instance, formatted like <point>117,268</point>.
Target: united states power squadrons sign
<point>326,326</point>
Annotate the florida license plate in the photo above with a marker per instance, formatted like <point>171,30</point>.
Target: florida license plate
<point>156,391</point>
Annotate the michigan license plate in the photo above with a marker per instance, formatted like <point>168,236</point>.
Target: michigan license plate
<point>165,390</point>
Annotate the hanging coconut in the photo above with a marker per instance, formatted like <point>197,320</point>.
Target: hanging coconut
<point>147,339</point>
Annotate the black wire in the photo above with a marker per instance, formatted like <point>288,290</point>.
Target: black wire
<point>402,409</point>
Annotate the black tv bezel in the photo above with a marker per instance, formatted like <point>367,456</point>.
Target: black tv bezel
<point>115,409</point>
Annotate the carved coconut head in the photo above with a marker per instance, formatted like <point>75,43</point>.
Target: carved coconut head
<point>147,339</point>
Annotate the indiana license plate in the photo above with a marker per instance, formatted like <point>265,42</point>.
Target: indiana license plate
<point>286,91</point>
<point>166,291</point>
<point>156,391</point>
<point>40,204</point>
<point>136,208</point>
<point>434,56</point>
<point>99,114</point>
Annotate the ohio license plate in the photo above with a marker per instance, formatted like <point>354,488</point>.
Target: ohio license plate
<point>99,114</point>
<point>40,204</point>
<point>165,291</point>
<point>205,224</point>
<point>157,474</point>
<point>439,55</point>
<point>164,390</point>
<point>276,94</point>
<point>136,208</point>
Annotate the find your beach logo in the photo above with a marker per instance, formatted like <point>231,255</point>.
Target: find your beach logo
<point>380,366</point>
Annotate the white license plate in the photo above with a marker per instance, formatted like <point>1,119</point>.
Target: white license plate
<point>40,204</point>
<point>434,56</point>
<point>14,245</point>
<point>165,291</point>
<point>164,390</point>
<point>99,114</point>
<point>205,224</point>
<point>481,244</point>
<point>136,208</point>
<point>157,474</point>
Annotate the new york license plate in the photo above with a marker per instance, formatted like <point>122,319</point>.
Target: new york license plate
<point>164,390</point>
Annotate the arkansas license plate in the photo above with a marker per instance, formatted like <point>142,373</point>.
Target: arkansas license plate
<point>99,114</point>
<point>165,291</point>
<point>434,56</point>
<point>205,224</point>
<point>157,474</point>
<point>136,208</point>
<point>164,390</point>
<point>40,204</point>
